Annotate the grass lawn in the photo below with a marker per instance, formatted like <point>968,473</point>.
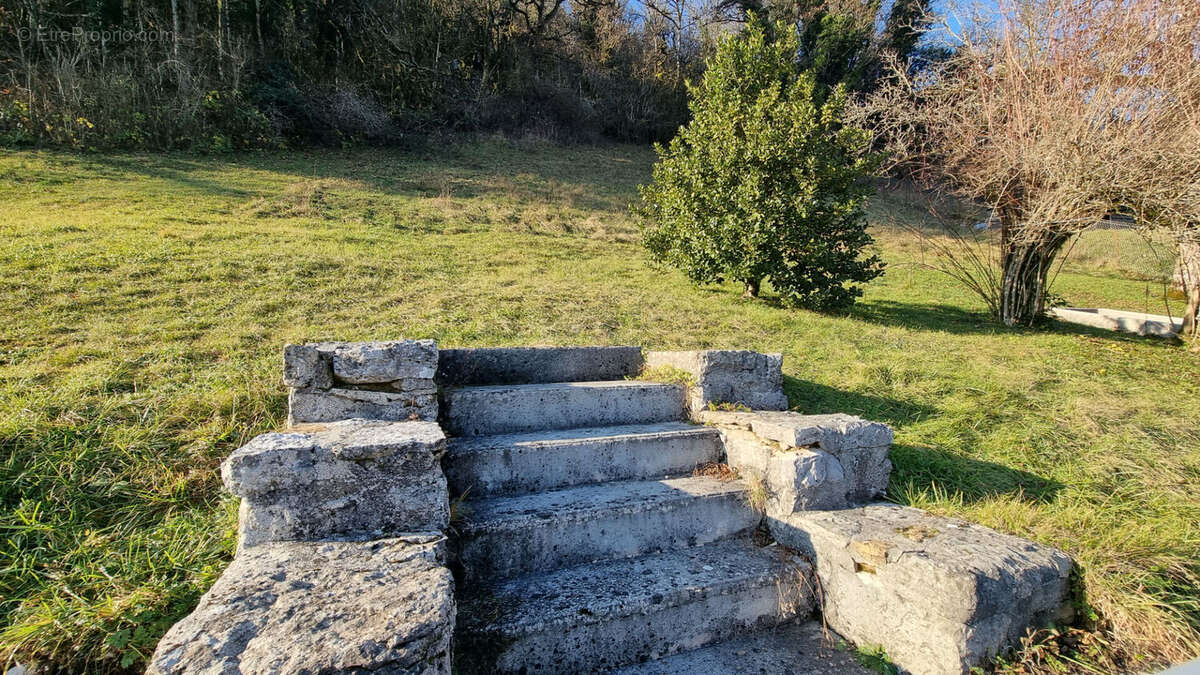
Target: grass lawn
<point>146,300</point>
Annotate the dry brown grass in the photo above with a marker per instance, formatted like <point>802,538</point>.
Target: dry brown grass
<point>720,471</point>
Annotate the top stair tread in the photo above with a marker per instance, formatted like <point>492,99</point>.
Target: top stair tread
<point>521,365</point>
<point>515,408</point>
<point>599,590</point>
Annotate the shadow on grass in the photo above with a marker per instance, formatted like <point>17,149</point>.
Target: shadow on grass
<point>1058,327</point>
<point>950,319</point>
<point>602,180</point>
<point>182,172</point>
<point>811,398</point>
<point>918,469</point>
<point>924,316</point>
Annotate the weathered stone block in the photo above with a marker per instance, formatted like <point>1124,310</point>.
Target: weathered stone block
<point>321,607</point>
<point>807,461</point>
<point>355,478</point>
<point>535,365</point>
<point>867,470</point>
<point>332,405</point>
<point>374,380</point>
<point>940,595</point>
<point>305,366</point>
<point>416,385</point>
<point>831,433</point>
<point>806,479</point>
<point>729,376</point>
<point>380,362</point>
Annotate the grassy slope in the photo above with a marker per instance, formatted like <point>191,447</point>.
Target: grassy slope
<point>146,301</point>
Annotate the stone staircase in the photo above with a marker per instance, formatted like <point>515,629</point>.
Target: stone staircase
<point>539,510</point>
<point>584,539</point>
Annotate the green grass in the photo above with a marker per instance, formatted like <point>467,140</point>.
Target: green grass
<point>146,301</point>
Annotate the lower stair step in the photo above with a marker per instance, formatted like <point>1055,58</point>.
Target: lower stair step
<point>511,536</point>
<point>615,613</point>
<point>483,466</point>
<point>796,648</point>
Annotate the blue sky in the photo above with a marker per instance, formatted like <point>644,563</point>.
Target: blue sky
<point>958,11</point>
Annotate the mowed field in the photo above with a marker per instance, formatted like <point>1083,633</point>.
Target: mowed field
<point>145,301</point>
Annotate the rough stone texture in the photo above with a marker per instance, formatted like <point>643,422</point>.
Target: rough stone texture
<point>379,362</point>
<point>806,479</point>
<point>798,648</point>
<point>332,405</point>
<point>516,408</point>
<point>305,366</point>
<point>320,607</point>
<point>356,478</point>
<point>729,376</point>
<point>831,433</point>
<point>533,365</point>
<point>940,595</point>
<point>483,466</point>
<point>617,612</point>
<point>807,461</point>
<point>510,536</point>
<point>416,385</point>
<point>334,381</point>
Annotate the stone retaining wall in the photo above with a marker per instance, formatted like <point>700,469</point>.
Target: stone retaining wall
<point>333,381</point>
<point>807,461</point>
<point>736,377</point>
<point>355,478</point>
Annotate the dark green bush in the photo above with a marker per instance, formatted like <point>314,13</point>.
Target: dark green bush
<point>765,182</point>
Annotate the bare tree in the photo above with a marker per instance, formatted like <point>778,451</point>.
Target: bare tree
<point>1160,177</point>
<point>1038,114</point>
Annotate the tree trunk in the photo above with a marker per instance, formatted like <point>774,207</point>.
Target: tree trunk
<point>1026,266</point>
<point>221,40</point>
<point>1189,277</point>
<point>258,27</point>
<point>752,287</point>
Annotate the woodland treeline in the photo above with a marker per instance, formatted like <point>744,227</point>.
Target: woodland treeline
<point>232,74</point>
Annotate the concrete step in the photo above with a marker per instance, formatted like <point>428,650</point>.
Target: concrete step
<point>527,365</point>
<point>511,536</point>
<point>505,409</point>
<point>510,464</point>
<point>614,613</point>
<point>795,648</point>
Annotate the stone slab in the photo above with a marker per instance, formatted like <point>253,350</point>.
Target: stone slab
<point>504,409</point>
<point>831,433</point>
<point>808,477</point>
<point>483,466</point>
<point>728,376</point>
<point>613,613</point>
<point>1138,323</point>
<point>940,595</point>
<point>533,365</point>
<point>385,361</point>
<point>305,366</point>
<point>512,536</point>
<point>795,648</point>
<point>355,478</point>
<point>333,405</point>
<point>321,607</point>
